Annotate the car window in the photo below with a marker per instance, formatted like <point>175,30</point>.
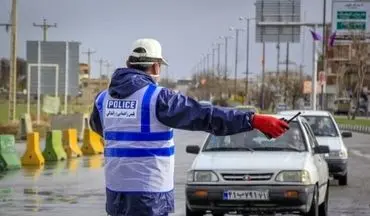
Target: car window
<point>311,136</point>
<point>322,126</point>
<point>292,140</point>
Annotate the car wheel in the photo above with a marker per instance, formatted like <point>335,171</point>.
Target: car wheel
<point>342,180</point>
<point>323,208</point>
<point>218,214</point>
<point>314,209</point>
<point>189,212</point>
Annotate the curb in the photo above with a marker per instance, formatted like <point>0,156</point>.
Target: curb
<point>355,128</point>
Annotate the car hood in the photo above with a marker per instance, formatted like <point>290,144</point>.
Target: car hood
<point>334,143</point>
<point>257,160</point>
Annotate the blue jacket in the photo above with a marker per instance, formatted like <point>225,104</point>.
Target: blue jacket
<point>173,110</point>
<point>176,110</point>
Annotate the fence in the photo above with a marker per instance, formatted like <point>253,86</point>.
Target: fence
<point>355,128</point>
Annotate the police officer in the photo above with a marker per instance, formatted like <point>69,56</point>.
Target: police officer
<point>136,118</point>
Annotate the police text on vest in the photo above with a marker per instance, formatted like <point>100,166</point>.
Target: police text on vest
<point>121,109</point>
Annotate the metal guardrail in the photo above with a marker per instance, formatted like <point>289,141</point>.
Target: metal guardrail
<point>355,128</point>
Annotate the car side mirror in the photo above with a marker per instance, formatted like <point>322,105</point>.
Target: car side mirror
<point>322,149</point>
<point>192,149</point>
<point>346,134</point>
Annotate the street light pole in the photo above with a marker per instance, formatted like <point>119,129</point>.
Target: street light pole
<point>247,56</point>
<point>237,31</point>
<point>226,38</point>
<point>213,61</point>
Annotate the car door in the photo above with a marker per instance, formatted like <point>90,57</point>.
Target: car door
<point>319,160</point>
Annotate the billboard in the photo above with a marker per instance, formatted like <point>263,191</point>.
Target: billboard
<point>278,12</point>
<point>350,17</point>
<point>59,67</point>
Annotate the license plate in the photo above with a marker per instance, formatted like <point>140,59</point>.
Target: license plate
<point>246,195</point>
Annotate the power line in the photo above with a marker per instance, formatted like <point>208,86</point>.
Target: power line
<point>45,27</point>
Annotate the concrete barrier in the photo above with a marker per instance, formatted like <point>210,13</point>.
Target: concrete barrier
<point>33,155</point>
<point>92,143</point>
<point>78,121</point>
<point>54,150</point>
<point>9,159</point>
<point>70,143</point>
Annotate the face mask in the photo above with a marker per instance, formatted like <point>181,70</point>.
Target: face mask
<point>155,78</point>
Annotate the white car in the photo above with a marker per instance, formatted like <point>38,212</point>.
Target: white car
<point>327,133</point>
<point>248,173</point>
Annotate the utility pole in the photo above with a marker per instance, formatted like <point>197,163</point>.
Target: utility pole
<point>218,67</point>
<point>213,61</point>
<point>263,76</point>
<point>247,55</point>
<point>208,62</point>
<point>226,49</point>
<point>101,62</point>
<point>107,66</point>
<point>324,42</point>
<point>286,74</point>
<point>45,26</point>
<point>89,53</point>
<point>236,58</point>
<point>13,63</point>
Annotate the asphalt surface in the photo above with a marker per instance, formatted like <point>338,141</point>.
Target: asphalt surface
<point>77,186</point>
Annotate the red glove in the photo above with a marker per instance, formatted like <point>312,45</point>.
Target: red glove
<point>269,125</point>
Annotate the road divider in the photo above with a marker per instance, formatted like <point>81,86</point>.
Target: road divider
<point>70,143</point>
<point>59,145</point>
<point>33,155</point>
<point>54,150</point>
<point>92,143</point>
<point>355,128</point>
<point>9,159</point>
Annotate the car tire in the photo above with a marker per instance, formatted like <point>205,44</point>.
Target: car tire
<point>342,180</point>
<point>314,209</point>
<point>323,208</point>
<point>189,212</point>
<point>218,214</point>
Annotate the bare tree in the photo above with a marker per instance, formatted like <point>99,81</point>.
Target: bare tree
<point>358,64</point>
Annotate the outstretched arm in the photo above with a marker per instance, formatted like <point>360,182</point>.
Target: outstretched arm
<point>179,111</point>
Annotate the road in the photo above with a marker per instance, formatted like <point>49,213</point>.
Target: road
<point>77,186</point>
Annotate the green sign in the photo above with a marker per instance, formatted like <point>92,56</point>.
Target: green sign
<point>351,25</point>
<point>358,15</point>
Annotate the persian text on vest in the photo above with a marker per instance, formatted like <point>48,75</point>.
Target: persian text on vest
<point>121,109</point>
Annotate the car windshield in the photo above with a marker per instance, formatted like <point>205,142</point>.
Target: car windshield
<point>322,126</point>
<point>292,140</point>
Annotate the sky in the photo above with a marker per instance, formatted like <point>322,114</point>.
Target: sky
<point>186,29</point>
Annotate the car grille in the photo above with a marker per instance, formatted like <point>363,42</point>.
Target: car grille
<point>246,176</point>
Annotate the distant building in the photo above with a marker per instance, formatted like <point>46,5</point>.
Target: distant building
<point>183,85</point>
<point>84,71</point>
<point>90,88</point>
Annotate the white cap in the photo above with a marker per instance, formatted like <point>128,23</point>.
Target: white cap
<point>148,49</point>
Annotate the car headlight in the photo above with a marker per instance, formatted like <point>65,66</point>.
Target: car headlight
<point>301,176</point>
<point>202,176</point>
<point>338,154</point>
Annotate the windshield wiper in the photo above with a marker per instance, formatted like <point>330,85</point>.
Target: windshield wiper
<point>278,149</point>
<point>230,149</point>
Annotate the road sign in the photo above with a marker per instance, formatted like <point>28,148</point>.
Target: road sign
<point>278,12</point>
<point>349,17</point>
<point>65,55</point>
